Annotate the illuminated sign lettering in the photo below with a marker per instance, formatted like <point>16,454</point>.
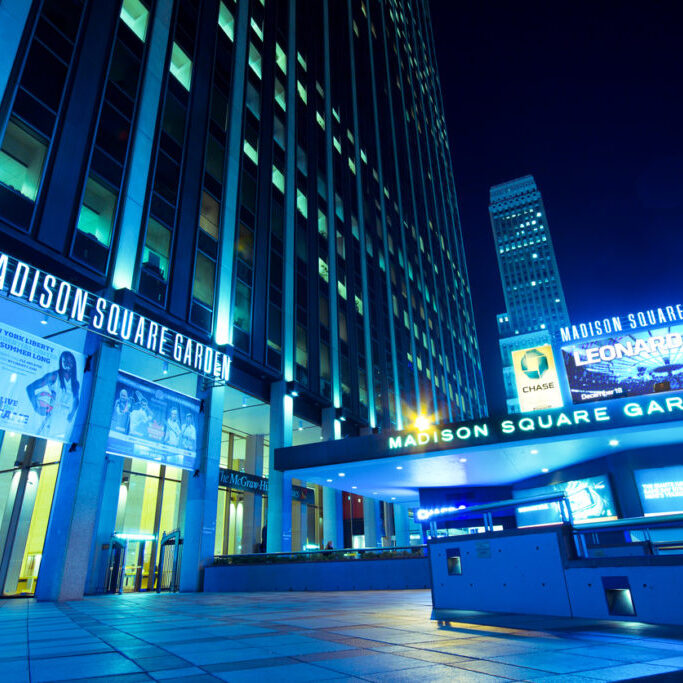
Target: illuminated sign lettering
<point>18,280</point>
<point>664,315</point>
<point>548,423</point>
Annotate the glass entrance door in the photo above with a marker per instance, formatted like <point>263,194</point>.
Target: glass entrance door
<point>28,473</point>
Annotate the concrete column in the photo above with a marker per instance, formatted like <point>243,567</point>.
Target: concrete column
<point>279,536</point>
<point>105,524</point>
<point>371,521</point>
<point>401,525</point>
<point>77,499</point>
<point>135,186</point>
<point>13,17</point>
<point>251,508</point>
<point>199,529</point>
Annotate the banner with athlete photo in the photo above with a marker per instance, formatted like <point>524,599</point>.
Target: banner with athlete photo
<point>153,423</point>
<point>40,385</point>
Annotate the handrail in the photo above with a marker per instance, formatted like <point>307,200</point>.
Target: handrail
<point>631,523</point>
<point>336,553</point>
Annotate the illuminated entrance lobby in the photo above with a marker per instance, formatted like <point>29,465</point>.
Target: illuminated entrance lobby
<point>573,512</point>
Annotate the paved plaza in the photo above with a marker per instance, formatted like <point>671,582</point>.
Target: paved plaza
<point>370,636</point>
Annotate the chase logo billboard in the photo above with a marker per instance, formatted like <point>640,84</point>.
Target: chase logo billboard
<point>538,386</point>
<point>635,364</point>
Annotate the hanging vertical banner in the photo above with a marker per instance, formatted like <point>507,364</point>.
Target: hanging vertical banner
<point>40,385</point>
<point>153,423</point>
<point>538,386</point>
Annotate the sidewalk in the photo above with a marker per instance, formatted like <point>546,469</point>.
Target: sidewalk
<point>294,637</point>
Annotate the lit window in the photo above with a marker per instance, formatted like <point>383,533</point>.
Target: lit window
<point>301,89</point>
<point>255,59</point>
<point>301,203</point>
<point>209,215</point>
<point>301,60</point>
<point>280,94</point>
<point>251,152</point>
<point>256,28</point>
<point>157,249</point>
<point>280,58</point>
<point>204,278</point>
<point>181,66</point>
<point>136,16</point>
<point>21,160</point>
<point>96,217</point>
<point>278,179</point>
<point>226,21</point>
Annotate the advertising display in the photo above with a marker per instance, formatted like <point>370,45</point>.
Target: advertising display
<point>589,500</point>
<point>635,364</point>
<point>661,490</point>
<point>154,423</point>
<point>40,385</point>
<point>538,386</point>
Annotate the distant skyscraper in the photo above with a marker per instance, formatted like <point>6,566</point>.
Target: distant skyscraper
<point>534,300</point>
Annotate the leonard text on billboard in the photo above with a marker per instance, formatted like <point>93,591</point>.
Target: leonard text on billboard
<point>19,280</point>
<point>635,364</point>
<point>154,423</point>
<point>40,385</point>
<point>538,386</point>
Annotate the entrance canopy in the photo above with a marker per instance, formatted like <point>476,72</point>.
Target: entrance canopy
<point>485,452</point>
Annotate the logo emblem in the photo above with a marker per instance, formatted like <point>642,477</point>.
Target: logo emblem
<point>534,364</point>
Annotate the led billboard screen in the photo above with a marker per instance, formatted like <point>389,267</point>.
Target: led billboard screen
<point>643,362</point>
<point>589,500</point>
<point>661,489</point>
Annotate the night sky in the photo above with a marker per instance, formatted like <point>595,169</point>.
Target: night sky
<point>588,98</point>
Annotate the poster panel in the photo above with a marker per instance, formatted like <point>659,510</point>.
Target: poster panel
<point>635,364</point>
<point>40,385</point>
<point>154,423</point>
<point>538,386</point>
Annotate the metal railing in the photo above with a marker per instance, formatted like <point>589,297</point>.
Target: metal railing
<point>330,555</point>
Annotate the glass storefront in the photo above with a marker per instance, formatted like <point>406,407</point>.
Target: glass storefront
<point>28,473</point>
<point>148,508</point>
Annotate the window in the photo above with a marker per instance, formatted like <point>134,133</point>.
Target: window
<point>226,21</point>
<point>181,66</point>
<point>280,58</point>
<point>96,217</point>
<point>255,59</point>
<point>242,310</point>
<point>21,160</point>
<point>136,16</point>
<point>157,249</point>
<point>245,244</point>
<point>204,278</point>
<point>209,215</point>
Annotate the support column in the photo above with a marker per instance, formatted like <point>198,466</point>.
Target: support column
<point>279,527</point>
<point>135,186</point>
<point>199,529</point>
<point>401,525</point>
<point>105,524</point>
<point>333,512</point>
<point>371,523</point>
<point>251,508</point>
<point>77,499</point>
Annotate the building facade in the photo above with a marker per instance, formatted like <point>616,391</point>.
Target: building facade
<point>534,298</point>
<point>232,226</point>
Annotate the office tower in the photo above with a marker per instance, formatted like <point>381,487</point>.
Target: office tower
<point>534,299</point>
<point>267,186</point>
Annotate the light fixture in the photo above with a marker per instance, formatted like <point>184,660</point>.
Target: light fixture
<point>613,442</point>
<point>354,487</point>
<point>292,389</point>
<point>422,422</point>
<point>329,481</point>
<point>534,451</point>
<point>544,470</point>
<point>164,367</point>
<point>342,474</point>
<point>393,497</point>
<point>374,493</point>
<point>44,319</point>
<point>301,426</point>
<point>399,467</point>
<point>463,459</point>
<point>244,401</point>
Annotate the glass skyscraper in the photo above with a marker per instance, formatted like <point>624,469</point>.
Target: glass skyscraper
<point>269,180</point>
<point>534,299</point>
